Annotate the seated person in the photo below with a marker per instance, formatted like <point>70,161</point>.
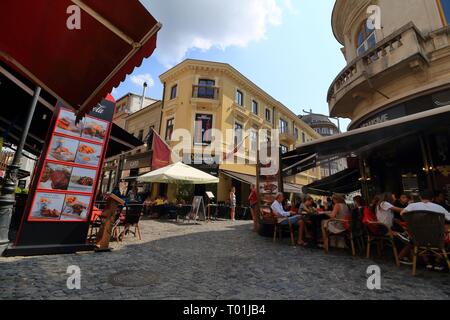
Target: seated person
<point>284,216</point>
<point>425,204</point>
<point>341,212</point>
<point>311,218</point>
<point>439,199</point>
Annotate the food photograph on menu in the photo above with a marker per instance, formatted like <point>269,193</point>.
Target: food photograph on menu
<point>88,154</point>
<point>75,207</point>
<point>82,180</point>
<point>47,206</point>
<point>66,124</point>
<point>94,129</point>
<point>63,149</point>
<point>55,177</point>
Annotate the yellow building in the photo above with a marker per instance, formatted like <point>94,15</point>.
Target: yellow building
<point>200,95</point>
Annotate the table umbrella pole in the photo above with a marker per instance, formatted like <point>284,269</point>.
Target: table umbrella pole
<point>7,198</point>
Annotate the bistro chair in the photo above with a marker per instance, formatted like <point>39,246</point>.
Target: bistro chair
<point>427,232</point>
<point>347,234</point>
<point>132,217</point>
<point>269,217</point>
<point>378,233</point>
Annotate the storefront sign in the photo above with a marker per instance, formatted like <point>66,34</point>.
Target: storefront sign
<point>138,161</point>
<point>390,114</point>
<point>65,181</point>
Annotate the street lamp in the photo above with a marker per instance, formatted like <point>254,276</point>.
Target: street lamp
<point>7,198</point>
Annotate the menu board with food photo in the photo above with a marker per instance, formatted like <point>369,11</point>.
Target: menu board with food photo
<point>75,208</point>
<point>82,180</point>
<point>63,149</point>
<point>94,129</point>
<point>88,154</point>
<point>66,123</point>
<point>68,173</point>
<point>47,206</point>
<point>55,177</point>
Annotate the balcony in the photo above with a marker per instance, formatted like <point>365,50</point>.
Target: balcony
<point>205,92</point>
<point>403,52</point>
<point>287,137</point>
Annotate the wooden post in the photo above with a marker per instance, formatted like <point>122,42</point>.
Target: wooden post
<point>104,234</point>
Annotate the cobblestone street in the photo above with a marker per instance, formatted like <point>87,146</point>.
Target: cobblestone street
<point>219,260</point>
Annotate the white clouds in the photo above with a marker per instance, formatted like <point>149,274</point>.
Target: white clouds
<point>139,79</point>
<point>206,24</point>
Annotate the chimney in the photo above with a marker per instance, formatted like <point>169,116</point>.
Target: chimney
<point>144,91</point>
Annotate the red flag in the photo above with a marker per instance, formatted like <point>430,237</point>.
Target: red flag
<point>161,153</point>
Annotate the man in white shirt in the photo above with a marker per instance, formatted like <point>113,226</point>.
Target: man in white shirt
<point>427,205</point>
<point>285,216</point>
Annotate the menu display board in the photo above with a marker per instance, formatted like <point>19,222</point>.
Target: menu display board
<point>62,191</point>
<point>72,162</point>
<point>268,174</point>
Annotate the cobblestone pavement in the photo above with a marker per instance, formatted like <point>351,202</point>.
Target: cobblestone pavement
<point>218,260</point>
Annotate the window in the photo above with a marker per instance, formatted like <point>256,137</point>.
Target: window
<point>303,137</point>
<point>141,135</point>
<point>169,129</point>
<point>254,139</point>
<point>366,39</point>
<point>445,10</point>
<point>283,126</point>
<point>239,98</point>
<point>318,130</point>
<point>268,115</point>
<point>284,149</point>
<point>238,131</point>
<point>173,92</point>
<point>296,133</point>
<point>206,88</point>
<point>203,126</point>
<point>254,107</point>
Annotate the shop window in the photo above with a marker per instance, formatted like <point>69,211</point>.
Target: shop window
<point>203,126</point>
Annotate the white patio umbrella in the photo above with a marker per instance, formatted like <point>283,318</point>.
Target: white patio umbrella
<point>178,173</point>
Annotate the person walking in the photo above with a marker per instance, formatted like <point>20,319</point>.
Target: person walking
<point>253,200</point>
<point>233,203</point>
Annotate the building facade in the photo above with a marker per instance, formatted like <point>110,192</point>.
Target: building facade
<point>326,128</point>
<point>200,95</point>
<point>127,166</point>
<point>395,71</point>
<point>129,104</point>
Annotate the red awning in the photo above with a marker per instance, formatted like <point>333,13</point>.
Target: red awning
<point>79,67</point>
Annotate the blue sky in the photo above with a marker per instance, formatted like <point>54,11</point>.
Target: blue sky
<point>285,46</point>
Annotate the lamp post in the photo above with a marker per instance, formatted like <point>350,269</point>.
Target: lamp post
<point>7,198</point>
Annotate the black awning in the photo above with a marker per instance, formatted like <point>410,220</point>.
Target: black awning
<point>121,141</point>
<point>343,182</point>
<point>363,139</point>
<point>16,92</point>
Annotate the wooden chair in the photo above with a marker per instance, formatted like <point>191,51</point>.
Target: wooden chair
<point>347,234</point>
<point>427,232</point>
<point>132,217</point>
<point>278,227</point>
<point>379,233</point>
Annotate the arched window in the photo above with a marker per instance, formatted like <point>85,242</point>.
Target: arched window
<point>365,38</point>
<point>444,7</point>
